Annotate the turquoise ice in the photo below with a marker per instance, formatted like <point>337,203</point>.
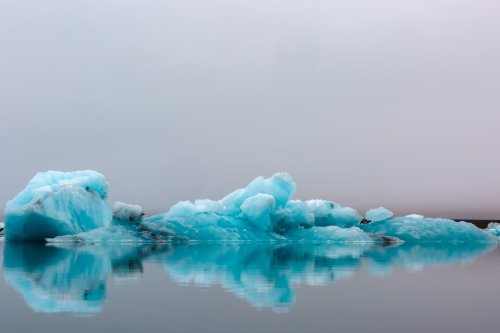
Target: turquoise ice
<point>494,228</point>
<point>429,230</point>
<point>127,212</point>
<point>58,203</point>
<point>378,214</point>
<point>72,207</point>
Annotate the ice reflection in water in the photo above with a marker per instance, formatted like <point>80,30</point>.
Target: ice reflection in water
<point>73,278</point>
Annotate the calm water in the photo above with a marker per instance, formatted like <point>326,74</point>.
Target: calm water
<point>249,288</point>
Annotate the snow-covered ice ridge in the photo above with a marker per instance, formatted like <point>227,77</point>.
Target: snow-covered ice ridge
<point>72,207</point>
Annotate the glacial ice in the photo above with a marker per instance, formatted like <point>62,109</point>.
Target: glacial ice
<point>429,230</point>
<point>127,212</point>
<point>58,203</point>
<point>378,214</point>
<point>72,207</point>
<point>493,228</point>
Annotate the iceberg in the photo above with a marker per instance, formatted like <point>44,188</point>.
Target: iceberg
<point>71,207</point>
<point>429,230</point>
<point>58,203</point>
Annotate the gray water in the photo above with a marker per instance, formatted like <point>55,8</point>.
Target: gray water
<point>249,288</point>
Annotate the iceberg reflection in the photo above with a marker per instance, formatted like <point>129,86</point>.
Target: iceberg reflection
<point>69,279</point>
<point>73,279</point>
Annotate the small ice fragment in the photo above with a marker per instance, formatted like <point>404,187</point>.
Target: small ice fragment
<point>378,214</point>
<point>123,211</point>
<point>493,228</point>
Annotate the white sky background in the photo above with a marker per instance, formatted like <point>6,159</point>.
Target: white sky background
<point>367,103</point>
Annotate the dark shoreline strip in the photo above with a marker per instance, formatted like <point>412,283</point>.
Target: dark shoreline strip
<point>478,223</point>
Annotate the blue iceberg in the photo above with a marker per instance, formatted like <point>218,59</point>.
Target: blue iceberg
<point>429,230</point>
<point>72,207</point>
<point>58,203</point>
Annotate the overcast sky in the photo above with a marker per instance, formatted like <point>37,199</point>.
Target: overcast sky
<point>367,103</point>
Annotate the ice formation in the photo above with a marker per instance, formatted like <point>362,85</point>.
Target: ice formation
<point>494,228</point>
<point>58,203</point>
<point>378,214</point>
<point>124,212</point>
<point>71,207</point>
<point>429,230</point>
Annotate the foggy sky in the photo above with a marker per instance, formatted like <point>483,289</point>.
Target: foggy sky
<point>367,103</point>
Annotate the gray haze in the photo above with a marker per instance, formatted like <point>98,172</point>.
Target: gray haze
<point>367,103</point>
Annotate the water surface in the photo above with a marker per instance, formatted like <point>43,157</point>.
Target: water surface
<point>249,287</point>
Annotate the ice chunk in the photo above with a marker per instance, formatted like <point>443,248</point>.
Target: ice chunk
<point>322,211</point>
<point>257,210</point>
<point>58,203</point>
<point>330,234</point>
<point>182,209</point>
<point>330,213</point>
<point>493,228</point>
<point>428,230</point>
<point>123,211</point>
<point>378,214</point>
<point>280,186</point>
<point>346,217</point>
